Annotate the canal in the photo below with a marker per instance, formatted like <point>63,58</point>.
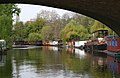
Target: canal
<point>53,62</point>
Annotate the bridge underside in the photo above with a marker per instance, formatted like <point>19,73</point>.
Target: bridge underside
<point>106,11</point>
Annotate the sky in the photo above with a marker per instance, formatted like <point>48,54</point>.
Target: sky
<point>30,11</point>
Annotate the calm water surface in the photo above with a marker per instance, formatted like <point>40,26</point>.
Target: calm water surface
<point>53,62</point>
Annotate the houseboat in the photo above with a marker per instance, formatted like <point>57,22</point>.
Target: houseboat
<point>113,46</point>
<point>25,44</point>
<point>36,42</point>
<point>56,43</point>
<point>79,44</point>
<point>113,43</point>
<point>69,43</point>
<point>53,43</point>
<point>20,44</point>
<point>97,40</point>
<point>3,45</point>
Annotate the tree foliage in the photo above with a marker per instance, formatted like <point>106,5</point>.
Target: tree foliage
<point>6,13</point>
<point>98,25</point>
<point>9,9</point>
<point>34,36</point>
<point>75,30</point>
<point>19,31</point>
<point>51,26</point>
<point>46,33</point>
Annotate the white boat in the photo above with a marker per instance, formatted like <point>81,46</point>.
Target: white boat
<point>3,45</point>
<point>79,44</point>
<point>53,43</point>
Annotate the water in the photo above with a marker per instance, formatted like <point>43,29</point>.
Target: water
<point>53,62</point>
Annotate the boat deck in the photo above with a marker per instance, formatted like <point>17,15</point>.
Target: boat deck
<point>110,53</point>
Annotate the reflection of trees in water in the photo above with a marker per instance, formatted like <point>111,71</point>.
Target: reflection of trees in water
<point>43,60</point>
<point>2,60</point>
<point>5,66</point>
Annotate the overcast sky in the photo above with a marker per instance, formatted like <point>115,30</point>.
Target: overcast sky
<point>30,11</point>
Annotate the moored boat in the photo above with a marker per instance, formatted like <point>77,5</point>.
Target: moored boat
<point>97,40</point>
<point>79,44</point>
<point>113,43</point>
<point>3,45</point>
<point>113,46</point>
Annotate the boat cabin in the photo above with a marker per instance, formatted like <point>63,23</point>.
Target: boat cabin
<point>100,33</point>
<point>113,43</point>
<point>99,36</point>
<point>97,40</point>
<point>79,44</point>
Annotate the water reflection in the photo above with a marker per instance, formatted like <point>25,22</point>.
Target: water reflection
<point>54,48</point>
<point>54,62</point>
<point>106,64</point>
<point>113,65</point>
<point>79,53</point>
<point>2,60</point>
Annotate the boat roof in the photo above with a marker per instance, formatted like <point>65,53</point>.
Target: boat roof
<point>99,30</point>
<point>112,36</point>
<point>2,40</point>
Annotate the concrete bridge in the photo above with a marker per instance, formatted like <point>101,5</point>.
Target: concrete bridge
<point>106,11</point>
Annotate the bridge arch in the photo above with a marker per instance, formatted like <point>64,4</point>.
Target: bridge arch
<point>106,11</point>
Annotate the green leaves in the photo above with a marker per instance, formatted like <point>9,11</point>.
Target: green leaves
<point>73,29</point>
<point>9,9</point>
<point>50,26</point>
<point>19,31</point>
<point>46,33</point>
<point>34,36</point>
<point>6,14</point>
<point>98,25</point>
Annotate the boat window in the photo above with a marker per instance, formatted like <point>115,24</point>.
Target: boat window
<point>108,42</point>
<point>112,42</point>
<point>116,43</point>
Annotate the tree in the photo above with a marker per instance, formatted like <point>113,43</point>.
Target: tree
<point>72,29</point>
<point>34,27</point>
<point>5,28</point>
<point>53,20</point>
<point>38,24</point>
<point>19,31</point>
<point>98,25</point>
<point>34,36</point>
<point>6,13</point>
<point>50,16</point>
<point>9,9</point>
<point>46,33</point>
